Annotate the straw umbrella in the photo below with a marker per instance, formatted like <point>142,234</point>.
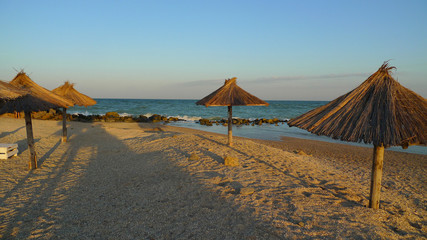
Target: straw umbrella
<point>68,92</point>
<point>231,95</point>
<point>37,99</point>
<point>380,111</point>
<point>15,99</point>
<point>9,92</point>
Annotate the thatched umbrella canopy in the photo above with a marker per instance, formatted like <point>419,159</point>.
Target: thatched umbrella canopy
<point>37,99</point>
<point>231,95</point>
<point>67,91</point>
<point>9,92</point>
<point>380,112</point>
<point>14,99</point>
<point>24,82</point>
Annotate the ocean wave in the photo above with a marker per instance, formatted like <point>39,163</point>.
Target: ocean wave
<point>182,117</point>
<point>280,119</point>
<point>86,113</point>
<point>125,115</point>
<point>147,114</point>
<point>187,118</point>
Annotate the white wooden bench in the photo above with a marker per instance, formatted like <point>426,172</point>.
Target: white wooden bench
<point>7,150</point>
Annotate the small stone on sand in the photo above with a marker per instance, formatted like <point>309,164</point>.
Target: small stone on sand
<point>231,161</point>
<point>300,152</point>
<point>247,191</point>
<point>194,157</point>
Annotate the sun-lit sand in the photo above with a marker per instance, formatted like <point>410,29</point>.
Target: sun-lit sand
<point>137,181</point>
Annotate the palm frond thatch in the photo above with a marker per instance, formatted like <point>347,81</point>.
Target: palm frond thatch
<point>67,91</point>
<point>8,92</point>
<point>231,95</point>
<point>379,111</point>
<point>14,99</point>
<point>25,103</point>
<point>22,81</point>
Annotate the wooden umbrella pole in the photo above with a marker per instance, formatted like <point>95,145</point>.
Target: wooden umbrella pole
<point>30,140</point>
<point>230,124</point>
<point>377,171</point>
<point>64,125</point>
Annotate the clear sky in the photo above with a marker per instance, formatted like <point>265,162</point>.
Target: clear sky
<point>288,50</point>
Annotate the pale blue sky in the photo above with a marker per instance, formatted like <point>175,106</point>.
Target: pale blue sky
<point>290,50</point>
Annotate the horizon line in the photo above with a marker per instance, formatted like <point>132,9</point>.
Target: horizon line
<point>119,98</point>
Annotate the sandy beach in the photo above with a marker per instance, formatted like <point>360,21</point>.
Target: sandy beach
<point>153,181</point>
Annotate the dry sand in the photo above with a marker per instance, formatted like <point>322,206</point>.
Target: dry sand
<point>137,181</point>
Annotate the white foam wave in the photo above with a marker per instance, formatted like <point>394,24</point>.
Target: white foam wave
<point>86,113</point>
<point>148,114</point>
<point>283,119</point>
<point>187,118</point>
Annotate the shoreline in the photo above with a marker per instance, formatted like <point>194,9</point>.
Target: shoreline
<point>279,136</point>
<point>314,146</point>
<point>263,129</point>
<point>139,180</point>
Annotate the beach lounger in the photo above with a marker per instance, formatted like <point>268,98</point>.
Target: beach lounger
<point>7,150</point>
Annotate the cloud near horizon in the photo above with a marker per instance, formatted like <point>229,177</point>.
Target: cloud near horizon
<point>277,79</point>
<point>308,77</point>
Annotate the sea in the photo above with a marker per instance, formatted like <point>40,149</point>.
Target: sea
<point>191,113</point>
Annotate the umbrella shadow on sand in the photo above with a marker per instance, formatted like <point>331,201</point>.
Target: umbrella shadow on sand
<point>337,200</point>
<point>340,192</point>
<point>5,134</point>
<point>23,180</point>
<point>112,188</point>
<point>299,186</point>
<point>23,145</point>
